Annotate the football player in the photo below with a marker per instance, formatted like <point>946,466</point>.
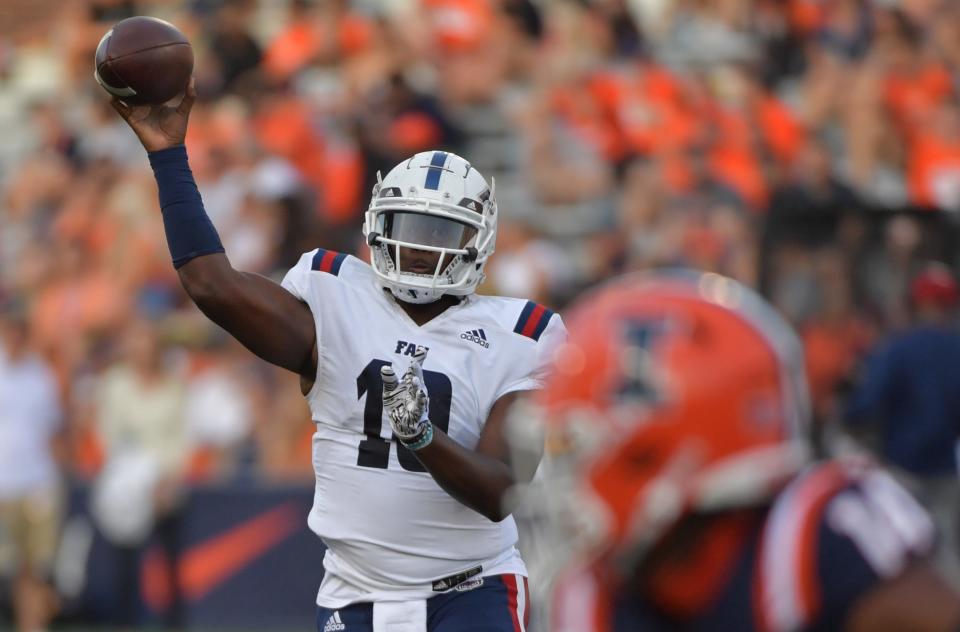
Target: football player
<point>408,374</point>
<point>677,476</point>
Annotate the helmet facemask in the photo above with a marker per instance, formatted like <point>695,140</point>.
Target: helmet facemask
<point>400,234</point>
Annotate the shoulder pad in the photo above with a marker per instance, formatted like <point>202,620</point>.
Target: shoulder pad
<point>786,582</point>
<point>836,530</point>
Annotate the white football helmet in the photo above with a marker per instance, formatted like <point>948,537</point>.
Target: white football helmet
<point>434,201</point>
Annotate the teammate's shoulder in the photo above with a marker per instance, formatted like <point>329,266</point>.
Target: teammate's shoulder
<point>852,498</point>
<point>839,528</point>
<point>520,316</point>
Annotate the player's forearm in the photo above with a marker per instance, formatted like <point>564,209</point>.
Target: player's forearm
<point>194,244</point>
<point>190,233</point>
<point>195,247</point>
<point>477,480</point>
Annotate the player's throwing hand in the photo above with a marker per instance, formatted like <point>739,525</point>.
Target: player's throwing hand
<point>407,403</point>
<point>158,126</point>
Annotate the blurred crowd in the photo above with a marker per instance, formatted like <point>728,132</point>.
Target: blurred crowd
<point>810,148</point>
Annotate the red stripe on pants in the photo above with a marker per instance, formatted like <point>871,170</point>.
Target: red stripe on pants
<point>511,583</point>
<point>526,600</point>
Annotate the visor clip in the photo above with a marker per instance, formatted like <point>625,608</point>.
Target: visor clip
<point>373,238</point>
<point>472,254</point>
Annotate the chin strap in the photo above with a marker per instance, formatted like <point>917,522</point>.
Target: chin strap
<point>417,297</point>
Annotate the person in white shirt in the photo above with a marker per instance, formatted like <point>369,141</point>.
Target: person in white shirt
<point>30,495</point>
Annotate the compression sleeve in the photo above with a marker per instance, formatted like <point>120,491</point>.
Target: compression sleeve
<point>190,233</point>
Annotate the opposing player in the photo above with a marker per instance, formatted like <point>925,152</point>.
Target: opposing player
<point>678,474</point>
<point>408,374</point>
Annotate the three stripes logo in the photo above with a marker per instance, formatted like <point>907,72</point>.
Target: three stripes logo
<point>477,336</point>
<point>334,624</point>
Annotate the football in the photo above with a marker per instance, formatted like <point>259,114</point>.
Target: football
<point>144,60</point>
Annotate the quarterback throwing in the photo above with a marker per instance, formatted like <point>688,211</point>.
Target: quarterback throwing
<point>408,374</point>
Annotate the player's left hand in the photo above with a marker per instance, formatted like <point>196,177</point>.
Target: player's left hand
<point>407,403</point>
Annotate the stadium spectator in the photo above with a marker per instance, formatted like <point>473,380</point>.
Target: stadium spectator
<point>218,411</point>
<point>237,54</point>
<point>911,389</point>
<point>141,421</point>
<point>30,485</point>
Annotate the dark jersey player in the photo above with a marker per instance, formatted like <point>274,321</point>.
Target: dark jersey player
<point>678,476</point>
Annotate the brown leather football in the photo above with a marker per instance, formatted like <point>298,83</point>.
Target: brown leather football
<point>144,60</point>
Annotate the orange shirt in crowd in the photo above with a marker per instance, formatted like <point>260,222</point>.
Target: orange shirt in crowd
<point>285,127</point>
<point>646,105</point>
<point>933,170</point>
<point>458,25</point>
<point>912,98</point>
<point>744,138</point>
<point>354,33</point>
<point>585,118</point>
<point>732,157</point>
<point>832,349</point>
<point>67,310</point>
<point>413,132</point>
<point>292,49</point>
<point>806,16</point>
<point>644,111</point>
<point>301,42</point>
<point>783,133</point>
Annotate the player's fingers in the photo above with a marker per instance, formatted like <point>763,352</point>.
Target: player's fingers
<point>189,96</point>
<point>389,378</point>
<point>122,108</point>
<point>420,355</point>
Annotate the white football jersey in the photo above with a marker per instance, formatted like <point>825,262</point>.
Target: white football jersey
<point>391,532</point>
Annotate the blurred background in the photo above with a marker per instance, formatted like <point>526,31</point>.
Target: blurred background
<point>152,472</point>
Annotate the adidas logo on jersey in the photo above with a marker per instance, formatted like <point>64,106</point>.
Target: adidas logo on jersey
<point>334,624</point>
<point>477,336</point>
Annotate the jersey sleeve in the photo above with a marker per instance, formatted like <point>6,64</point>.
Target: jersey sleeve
<point>871,531</point>
<point>297,279</point>
<point>319,279</point>
<point>529,375</point>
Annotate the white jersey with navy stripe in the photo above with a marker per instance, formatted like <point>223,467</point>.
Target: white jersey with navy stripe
<point>391,531</point>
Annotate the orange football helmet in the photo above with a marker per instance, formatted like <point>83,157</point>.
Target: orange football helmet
<point>675,393</point>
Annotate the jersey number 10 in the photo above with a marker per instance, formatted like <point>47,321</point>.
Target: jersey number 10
<point>374,450</point>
